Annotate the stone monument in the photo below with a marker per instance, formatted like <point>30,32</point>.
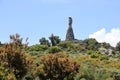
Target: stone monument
<point>70,34</point>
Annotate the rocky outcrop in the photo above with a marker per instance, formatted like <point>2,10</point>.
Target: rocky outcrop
<point>70,34</point>
<point>106,51</point>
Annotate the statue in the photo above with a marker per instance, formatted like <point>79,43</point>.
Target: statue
<point>70,34</point>
<point>70,21</point>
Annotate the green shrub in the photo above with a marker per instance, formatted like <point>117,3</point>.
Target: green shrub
<point>104,57</point>
<point>29,77</point>
<point>93,54</point>
<point>58,66</point>
<point>91,44</point>
<point>92,73</point>
<point>54,49</point>
<point>65,45</point>
<point>33,53</point>
<point>13,55</point>
<point>38,47</point>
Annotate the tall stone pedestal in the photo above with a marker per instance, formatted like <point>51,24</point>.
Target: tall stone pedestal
<point>70,34</point>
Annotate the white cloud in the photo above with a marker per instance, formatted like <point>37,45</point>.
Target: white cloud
<point>112,37</point>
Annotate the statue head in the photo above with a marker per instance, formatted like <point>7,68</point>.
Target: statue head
<point>70,21</point>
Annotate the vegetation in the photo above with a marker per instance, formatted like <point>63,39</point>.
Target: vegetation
<point>54,40</point>
<point>59,60</point>
<point>91,44</point>
<point>43,41</point>
<point>118,47</point>
<point>58,67</point>
<point>12,56</point>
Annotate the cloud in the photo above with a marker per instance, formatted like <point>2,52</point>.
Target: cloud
<point>112,37</point>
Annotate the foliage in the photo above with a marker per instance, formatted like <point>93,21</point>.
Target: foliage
<point>43,41</point>
<point>65,44</point>
<point>54,49</point>
<point>91,44</point>
<point>95,69</point>
<point>97,54</point>
<point>118,47</point>
<point>54,40</point>
<point>29,77</point>
<point>71,47</point>
<point>19,62</point>
<point>105,45</point>
<point>11,76</point>
<point>1,43</point>
<point>38,47</point>
<point>5,75</point>
<point>58,67</point>
<point>117,56</point>
<point>13,56</point>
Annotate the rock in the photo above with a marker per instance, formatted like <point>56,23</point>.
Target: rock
<point>70,34</point>
<point>106,51</point>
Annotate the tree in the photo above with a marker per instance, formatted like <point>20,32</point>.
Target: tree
<point>54,40</point>
<point>0,43</point>
<point>13,55</point>
<point>43,41</point>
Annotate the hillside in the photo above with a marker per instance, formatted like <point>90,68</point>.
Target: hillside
<point>59,60</point>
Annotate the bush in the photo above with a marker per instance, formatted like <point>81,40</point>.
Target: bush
<point>104,57</point>
<point>38,47</point>
<point>29,77</point>
<point>11,76</point>
<point>13,55</point>
<point>65,45</point>
<point>54,49</point>
<point>93,54</point>
<point>91,44</point>
<point>58,67</point>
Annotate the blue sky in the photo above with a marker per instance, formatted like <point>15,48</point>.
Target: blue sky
<point>41,18</point>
